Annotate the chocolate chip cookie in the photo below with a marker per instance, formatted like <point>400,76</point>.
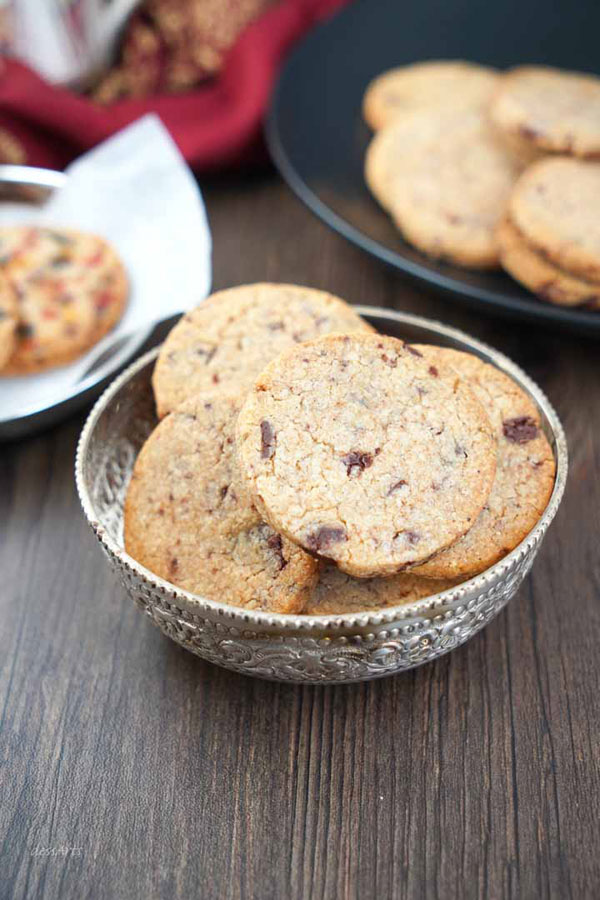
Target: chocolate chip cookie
<point>550,109</point>
<point>71,289</point>
<point>445,178</point>
<point>546,280</point>
<point>555,205</point>
<point>338,593</point>
<point>223,344</point>
<point>524,473</point>
<point>360,450</point>
<point>436,84</point>
<point>190,520</point>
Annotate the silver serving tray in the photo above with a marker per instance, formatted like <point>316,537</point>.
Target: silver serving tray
<point>317,649</point>
<point>26,184</point>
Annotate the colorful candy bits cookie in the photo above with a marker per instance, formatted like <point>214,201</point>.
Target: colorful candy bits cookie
<point>190,520</point>
<point>8,321</point>
<point>359,450</point>
<point>70,287</point>
<point>223,344</point>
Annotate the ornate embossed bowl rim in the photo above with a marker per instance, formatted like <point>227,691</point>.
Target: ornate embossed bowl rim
<point>282,626</point>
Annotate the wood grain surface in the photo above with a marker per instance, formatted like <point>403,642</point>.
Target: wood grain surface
<point>131,769</point>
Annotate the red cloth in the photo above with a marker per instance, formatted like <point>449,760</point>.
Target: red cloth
<point>215,126</point>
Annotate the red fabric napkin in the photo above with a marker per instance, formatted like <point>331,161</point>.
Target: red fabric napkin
<point>215,126</point>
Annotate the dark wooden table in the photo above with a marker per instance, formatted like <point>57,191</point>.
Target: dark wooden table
<point>131,769</point>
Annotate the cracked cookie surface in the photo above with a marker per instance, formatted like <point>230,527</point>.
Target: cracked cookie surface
<point>338,593</point>
<point>70,287</point>
<point>358,449</point>
<point>189,517</point>
<point>524,473</point>
<point>425,85</point>
<point>223,344</point>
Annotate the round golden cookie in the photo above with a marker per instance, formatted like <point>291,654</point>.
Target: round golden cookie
<point>522,151</point>
<point>555,205</point>
<point>8,321</point>
<point>358,450</point>
<point>436,84</point>
<point>403,142</point>
<point>190,520</point>
<point>535,272</point>
<point>338,593</point>
<point>224,343</point>
<point>550,109</point>
<point>445,178</point>
<point>71,289</point>
<point>524,473</point>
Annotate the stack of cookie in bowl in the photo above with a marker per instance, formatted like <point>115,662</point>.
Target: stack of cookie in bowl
<point>305,464</point>
<point>487,169</point>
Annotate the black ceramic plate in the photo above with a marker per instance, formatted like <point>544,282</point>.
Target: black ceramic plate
<point>318,139</point>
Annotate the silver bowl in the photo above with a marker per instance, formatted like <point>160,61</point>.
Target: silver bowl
<point>313,649</point>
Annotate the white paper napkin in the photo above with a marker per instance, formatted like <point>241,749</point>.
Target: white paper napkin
<point>135,190</point>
